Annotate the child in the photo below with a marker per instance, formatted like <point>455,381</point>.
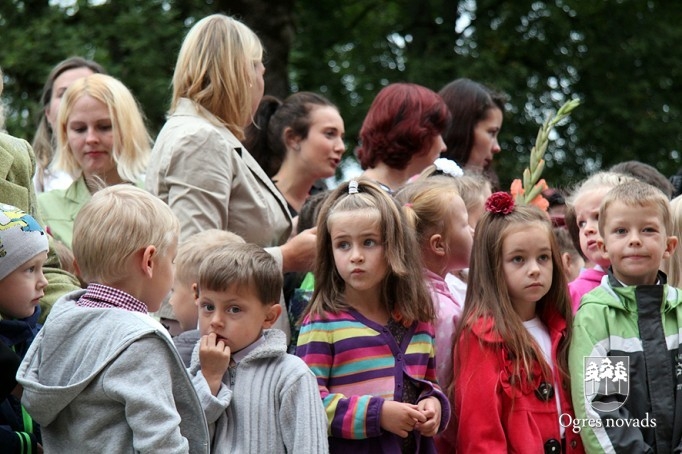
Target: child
<point>191,254</point>
<point>511,354</point>
<point>439,218</point>
<point>632,317</point>
<point>571,259</point>
<point>257,398</point>
<point>102,375</point>
<point>367,334</point>
<point>672,266</point>
<point>584,202</point>
<point>23,252</point>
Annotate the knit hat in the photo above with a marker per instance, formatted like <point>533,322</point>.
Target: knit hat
<point>21,239</point>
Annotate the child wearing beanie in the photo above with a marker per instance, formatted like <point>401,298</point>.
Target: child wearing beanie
<point>23,251</point>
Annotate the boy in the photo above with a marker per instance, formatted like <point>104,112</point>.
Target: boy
<point>626,332</point>
<point>257,397</point>
<point>191,253</point>
<point>23,252</point>
<point>102,375</point>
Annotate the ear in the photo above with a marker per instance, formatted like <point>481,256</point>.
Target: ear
<point>437,245</point>
<point>148,261</point>
<point>291,140</point>
<point>670,245</point>
<point>195,289</point>
<point>272,315</point>
<point>602,246</point>
<point>566,260</point>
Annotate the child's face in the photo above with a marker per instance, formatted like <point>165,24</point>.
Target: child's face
<point>587,215</point>
<point>636,244</point>
<point>21,290</point>
<point>460,236</point>
<point>358,249</point>
<point>527,266</point>
<point>182,300</point>
<point>236,316</point>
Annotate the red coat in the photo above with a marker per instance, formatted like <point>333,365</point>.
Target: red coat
<point>490,415</point>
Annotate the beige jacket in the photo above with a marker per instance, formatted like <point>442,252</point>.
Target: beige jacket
<point>210,181</point>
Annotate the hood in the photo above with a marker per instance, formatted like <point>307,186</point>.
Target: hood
<point>16,331</point>
<point>72,348</point>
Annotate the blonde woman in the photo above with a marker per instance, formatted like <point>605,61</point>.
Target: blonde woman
<point>199,165</point>
<point>102,141</point>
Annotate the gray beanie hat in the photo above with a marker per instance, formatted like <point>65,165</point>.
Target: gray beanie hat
<point>21,239</point>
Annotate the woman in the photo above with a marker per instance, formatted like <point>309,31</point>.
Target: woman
<point>44,140</point>
<point>304,135</point>
<point>401,134</point>
<point>102,141</point>
<point>477,114</point>
<point>199,165</point>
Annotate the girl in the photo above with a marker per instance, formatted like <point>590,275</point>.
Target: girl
<point>672,266</point>
<point>510,363</point>
<point>584,202</point>
<point>439,217</point>
<point>367,334</point>
<point>102,140</point>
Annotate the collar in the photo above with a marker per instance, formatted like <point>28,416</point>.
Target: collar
<point>104,297</point>
<point>244,352</point>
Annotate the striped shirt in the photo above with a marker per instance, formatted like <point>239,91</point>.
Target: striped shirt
<point>358,365</point>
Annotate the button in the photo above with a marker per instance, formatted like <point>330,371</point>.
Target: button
<point>574,444</point>
<point>552,446</point>
<point>545,392</point>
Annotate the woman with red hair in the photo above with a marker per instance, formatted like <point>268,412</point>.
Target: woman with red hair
<point>401,134</point>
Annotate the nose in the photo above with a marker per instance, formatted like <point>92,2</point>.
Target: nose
<point>217,320</point>
<point>496,146</point>
<point>339,145</point>
<point>590,227</point>
<point>533,267</point>
<point>634,239</point>
<point>441,144</point>
<point>42,281</point>
<point>91,136</point>
<point>356,255</point>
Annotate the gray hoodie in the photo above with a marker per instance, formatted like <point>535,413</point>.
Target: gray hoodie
<point>109,380</point>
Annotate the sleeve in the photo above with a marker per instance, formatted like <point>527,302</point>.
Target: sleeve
<point>9,364</point>
<point>351,417</point>
<point>589,326</point>
<point>59,282</point>
<point>17,442</point>
<point>141,379</point>
<point>214,406</point>
<point>302,416</point>
<point>436,390</point>
<point>478,406</point>
<point>199,180</point>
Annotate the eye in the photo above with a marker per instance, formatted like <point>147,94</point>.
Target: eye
<point>544,258</point>
<point>517,259</point>
<point>582,224</point>
<point>369,242</point>
<point>233,310</point>
<point>207,307</point>
<point>343,245</point>
<point>105,127</point>
<point>620,231</point>
<point>31,269</point>
<point>79,129</point>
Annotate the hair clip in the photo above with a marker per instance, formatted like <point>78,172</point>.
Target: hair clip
<point>448,167</point>
<point>408,205</point>
<point>500,203</point>
<point>353,187</point>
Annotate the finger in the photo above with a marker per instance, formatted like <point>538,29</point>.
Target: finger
<point>417,415</point>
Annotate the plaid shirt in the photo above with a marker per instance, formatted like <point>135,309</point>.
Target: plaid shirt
<point>102,296</point>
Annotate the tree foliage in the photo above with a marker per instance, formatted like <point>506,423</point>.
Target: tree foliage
<point>620,58</point>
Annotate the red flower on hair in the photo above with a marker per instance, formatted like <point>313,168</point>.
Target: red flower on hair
<point>500,203</point>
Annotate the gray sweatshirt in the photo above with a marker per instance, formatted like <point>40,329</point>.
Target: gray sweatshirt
<point>268,403</point>
<point>109,380</point>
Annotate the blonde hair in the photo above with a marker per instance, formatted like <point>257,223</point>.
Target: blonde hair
<point>672,266</point>
<point>114,224</point>
<point>215,69</point>
<point>244,266</point>
<point>193,250</point>
<point>403,291</point>
<point>637,194</point>
<point>471,185</point>
<point>132,144</point>
<point>488,296</point>
<point>426,204</point>
<point>596,181</point>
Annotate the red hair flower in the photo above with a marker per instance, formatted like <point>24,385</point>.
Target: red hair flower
<point>500,203</point>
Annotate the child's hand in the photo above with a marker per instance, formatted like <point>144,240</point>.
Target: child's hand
<point>214,357</point>
<point>430,408</point>
<point>400,418</point>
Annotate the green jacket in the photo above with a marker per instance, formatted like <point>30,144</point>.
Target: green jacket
<point>17,164</point>
<point>643,324</point>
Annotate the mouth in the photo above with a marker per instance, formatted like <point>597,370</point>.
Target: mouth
<point>357,271</point>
